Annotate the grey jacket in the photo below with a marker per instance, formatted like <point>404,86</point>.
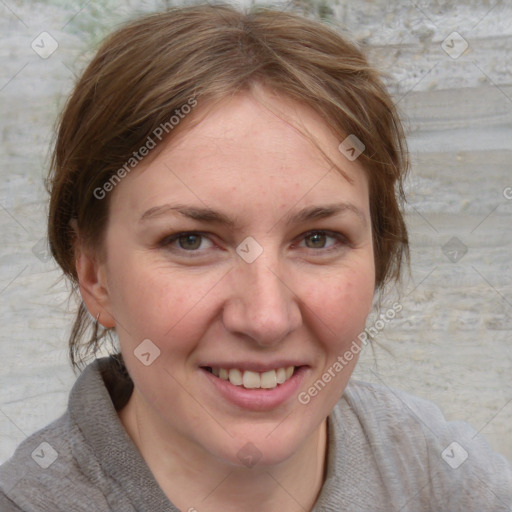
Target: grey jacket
<point>387,451</point>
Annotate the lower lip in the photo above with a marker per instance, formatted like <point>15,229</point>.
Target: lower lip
<point>258,399</point>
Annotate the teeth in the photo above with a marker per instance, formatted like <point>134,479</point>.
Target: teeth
<point>269,379</point>
<point>254,380</point>
<point>251,380</point>
<point>235,377</point>
<point>281,375</point>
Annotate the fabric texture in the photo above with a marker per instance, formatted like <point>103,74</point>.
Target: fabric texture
<point>387,451</point>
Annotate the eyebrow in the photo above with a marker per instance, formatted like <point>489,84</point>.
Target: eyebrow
<point>215,217</point>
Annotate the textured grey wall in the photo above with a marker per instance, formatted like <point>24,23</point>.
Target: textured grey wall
<point>452,342</point>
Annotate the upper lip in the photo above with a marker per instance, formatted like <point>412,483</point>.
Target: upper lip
<point>253,366</point>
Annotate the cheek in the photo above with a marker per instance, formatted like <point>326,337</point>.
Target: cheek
<point>151,301</point>
<point>340,305</point>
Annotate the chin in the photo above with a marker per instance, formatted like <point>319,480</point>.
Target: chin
<point>266,447</point>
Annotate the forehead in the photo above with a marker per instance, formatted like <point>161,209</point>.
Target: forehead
<point>250,149</point>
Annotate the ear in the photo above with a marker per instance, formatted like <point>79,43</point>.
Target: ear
<point>92,280</point>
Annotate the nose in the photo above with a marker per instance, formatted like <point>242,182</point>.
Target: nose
<point>262,304</point>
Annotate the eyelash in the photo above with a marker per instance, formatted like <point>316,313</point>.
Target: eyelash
<point>338,237</point>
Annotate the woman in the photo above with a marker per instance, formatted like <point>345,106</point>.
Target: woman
<point>225,194</point>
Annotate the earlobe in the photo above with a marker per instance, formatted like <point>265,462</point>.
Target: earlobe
<point>93,287</point>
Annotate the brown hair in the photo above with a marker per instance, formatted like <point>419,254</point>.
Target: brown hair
<point>150,68</point>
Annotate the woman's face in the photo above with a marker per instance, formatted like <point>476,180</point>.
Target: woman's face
<point>238,250</point>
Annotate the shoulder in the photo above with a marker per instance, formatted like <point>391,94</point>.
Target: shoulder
<point>448,465</point>
<point>43,471</point>
<point>6,505</point>
<point>51,469</point>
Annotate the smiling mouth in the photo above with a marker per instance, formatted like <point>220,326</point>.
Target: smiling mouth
<point>254,380</point>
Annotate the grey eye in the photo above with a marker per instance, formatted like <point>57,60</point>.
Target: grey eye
<point>316,240</point>
<point>190,242</point>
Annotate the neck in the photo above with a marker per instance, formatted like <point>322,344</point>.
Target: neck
<point>196,481</point>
